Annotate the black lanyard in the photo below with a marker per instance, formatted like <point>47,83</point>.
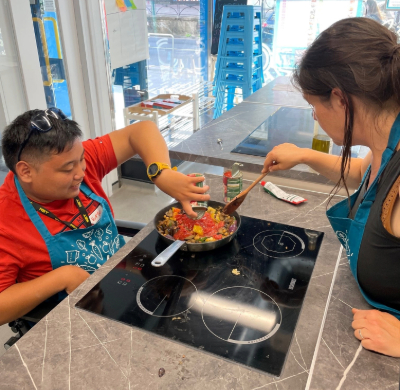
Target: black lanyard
<point>81,208</point>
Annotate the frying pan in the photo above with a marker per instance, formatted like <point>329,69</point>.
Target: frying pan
<point>175,245</point>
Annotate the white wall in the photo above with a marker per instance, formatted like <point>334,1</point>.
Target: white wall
<point>12,94</point>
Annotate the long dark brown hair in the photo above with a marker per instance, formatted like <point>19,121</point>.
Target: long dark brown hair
<point>361,58</point>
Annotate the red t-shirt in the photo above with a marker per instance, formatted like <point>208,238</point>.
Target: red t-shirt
<point>23,252</point>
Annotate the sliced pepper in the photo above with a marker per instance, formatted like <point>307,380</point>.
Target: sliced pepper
<point>198,230</point>
<point>211,210</point>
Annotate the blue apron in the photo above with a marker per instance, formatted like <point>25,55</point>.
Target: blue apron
<point>350,232</point>
<point>88,248</point>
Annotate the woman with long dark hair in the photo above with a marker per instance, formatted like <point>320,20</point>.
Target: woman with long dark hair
<point>350,75</point>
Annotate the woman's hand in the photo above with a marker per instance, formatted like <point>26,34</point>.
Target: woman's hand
<point>380,332</point>
<point>182,188</point>
<point>284,156</point>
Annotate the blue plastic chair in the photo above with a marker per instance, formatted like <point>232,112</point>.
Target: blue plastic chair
<point>239,61</point>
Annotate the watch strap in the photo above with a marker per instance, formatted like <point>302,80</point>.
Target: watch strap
<point>161,167</point>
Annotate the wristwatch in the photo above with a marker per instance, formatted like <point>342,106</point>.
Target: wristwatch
<point>154,169</point>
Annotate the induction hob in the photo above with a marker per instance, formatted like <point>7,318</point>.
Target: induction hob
<point>199,299</point>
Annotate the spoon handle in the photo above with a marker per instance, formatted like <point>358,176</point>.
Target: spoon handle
<point>254,183</point>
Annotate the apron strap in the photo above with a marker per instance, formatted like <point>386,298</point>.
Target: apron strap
<point>394,136</point>
<point>33,215</point>
<point>86,190</point>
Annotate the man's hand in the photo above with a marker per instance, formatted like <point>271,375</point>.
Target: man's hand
<point>182,188</point>
<point>74,276</point>
<point>380,332</point>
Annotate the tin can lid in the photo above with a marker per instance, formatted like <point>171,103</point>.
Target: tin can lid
<point>236,169</point>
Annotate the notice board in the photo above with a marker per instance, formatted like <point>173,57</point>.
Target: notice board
<point>127,32</point>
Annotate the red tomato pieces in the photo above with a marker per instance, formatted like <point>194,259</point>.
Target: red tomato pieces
<point>209,226</point>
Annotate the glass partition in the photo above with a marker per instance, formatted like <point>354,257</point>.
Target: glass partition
<point>175,44</point>
<point>49,47</point>
<point>177,63</point>
<point>179,45</point>
<point>290,26</point>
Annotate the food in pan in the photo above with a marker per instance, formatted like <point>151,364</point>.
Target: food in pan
<point>213,226</point>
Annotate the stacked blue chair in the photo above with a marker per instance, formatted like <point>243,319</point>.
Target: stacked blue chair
<point>239,61</point>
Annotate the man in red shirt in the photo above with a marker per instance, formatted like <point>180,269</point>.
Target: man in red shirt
<point>56,222</point>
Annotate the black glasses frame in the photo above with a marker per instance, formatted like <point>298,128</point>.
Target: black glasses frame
<point>41,123</point>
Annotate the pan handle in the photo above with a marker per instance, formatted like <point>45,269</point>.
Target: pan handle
<point>166,254</point>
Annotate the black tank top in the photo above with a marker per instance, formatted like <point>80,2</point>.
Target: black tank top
<point>378,267</point>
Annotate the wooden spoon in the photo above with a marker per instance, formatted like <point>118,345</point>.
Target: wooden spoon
<point>238,200</point>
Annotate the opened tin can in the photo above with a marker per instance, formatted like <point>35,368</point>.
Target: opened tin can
<point>233,182</point>
<point>194,203</point>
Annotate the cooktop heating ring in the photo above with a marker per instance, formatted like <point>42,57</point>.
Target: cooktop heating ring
<point>237,313</point>
<point>151,293</point>
<point>278,243</point>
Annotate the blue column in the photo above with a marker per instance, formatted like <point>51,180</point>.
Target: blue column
<point>204,38</point>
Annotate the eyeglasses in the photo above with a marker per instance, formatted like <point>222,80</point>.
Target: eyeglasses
<point>40,122</point>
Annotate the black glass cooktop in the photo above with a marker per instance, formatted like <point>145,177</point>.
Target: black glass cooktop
<point>292,125</point>
<point>240,302</point>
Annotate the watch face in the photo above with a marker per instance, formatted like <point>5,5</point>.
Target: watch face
<point>153,169</point>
